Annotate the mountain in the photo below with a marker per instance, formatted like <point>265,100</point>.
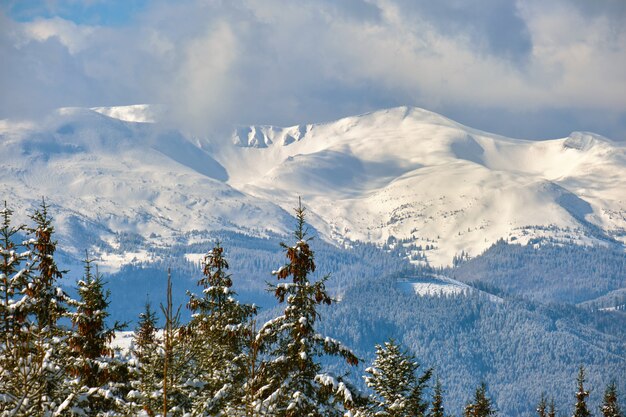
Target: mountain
<point>404,176</point>
<point>534,231</point>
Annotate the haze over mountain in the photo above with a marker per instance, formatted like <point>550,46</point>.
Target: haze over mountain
<point>398,174</point>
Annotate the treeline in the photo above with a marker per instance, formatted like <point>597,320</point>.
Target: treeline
<point>56,357</point>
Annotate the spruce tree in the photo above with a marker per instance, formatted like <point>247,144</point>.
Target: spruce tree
<point>33,373</point>
<point>481,406</point>
<point>49,306</point>
<point>94,363</point>
<point>437,409</point>
<point>397,389</point>
<point>610,406</point>
<point>219,334</point>
<point>177,384</point>
<point>19,385</point>
<point>146,366</point>
<point>580,409</point>
<point>294,384</point>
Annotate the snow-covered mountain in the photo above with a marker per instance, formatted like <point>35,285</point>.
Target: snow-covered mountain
<point>399,176</point>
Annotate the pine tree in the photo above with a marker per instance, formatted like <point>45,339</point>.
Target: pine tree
<point>397,389</point>
<point>293,382</point>
<point>481,407</point>
<point>610,406</point>
<point>94,363</point>
<point>437,409</point>
<point>146,370</point>
<point>580,409</point>
<point>219,333</point>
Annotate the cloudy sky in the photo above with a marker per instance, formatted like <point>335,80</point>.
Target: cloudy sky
<point>528,69</point>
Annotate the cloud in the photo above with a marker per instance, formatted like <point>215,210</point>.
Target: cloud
<point>250,61</point>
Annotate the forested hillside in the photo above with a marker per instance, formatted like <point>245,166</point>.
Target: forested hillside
<point>548,272</point>
<point>367,341</point>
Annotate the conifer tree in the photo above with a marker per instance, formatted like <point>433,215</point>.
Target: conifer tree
<point>542,407</point>
<point>294,383</point>
<point>52,301</point>
<point>177,386</point>
<point>146,370</point>
<point>94,363</point>
<point>481,406</point>
<point>580,409</point>
<point>49,305</point>
<point>19,389</point>
<point>397,389</point>
<point>552,409</point>
<point>33,377</point>
<point>437,409</point>
<point>610,405</point>
<point>219,333</point>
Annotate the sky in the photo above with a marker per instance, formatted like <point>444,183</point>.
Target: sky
<point>526,69</point>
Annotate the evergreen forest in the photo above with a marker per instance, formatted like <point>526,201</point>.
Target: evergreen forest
<point>210,351</point>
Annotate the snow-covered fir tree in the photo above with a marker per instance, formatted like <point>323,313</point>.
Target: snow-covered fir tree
<point>580,408</point>
<point>177,385</point>
<point>610,405</point>
<point>145,366</point>
<point>99,373</point>
<point>294,384</point>
<point>219,334</point>
<point>19,389</point>
<point>33,373</point>
<point>481,406</point>
<point>398,390</point>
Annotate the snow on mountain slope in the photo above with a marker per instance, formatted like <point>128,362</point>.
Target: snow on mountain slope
<point>104,175</point>
<point>399,176</point>
<point>439,285</point>
<point>412,175</point>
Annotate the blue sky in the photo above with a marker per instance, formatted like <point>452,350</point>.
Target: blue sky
<point>528,69</point>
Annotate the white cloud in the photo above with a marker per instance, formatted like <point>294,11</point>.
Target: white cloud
<point>253,61</point>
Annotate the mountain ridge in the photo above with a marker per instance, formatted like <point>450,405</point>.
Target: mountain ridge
<point>403,176</point>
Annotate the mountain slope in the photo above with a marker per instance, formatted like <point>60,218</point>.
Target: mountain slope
<point>399,176</point>
<point>110,176</point>
<point>416,176</point>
